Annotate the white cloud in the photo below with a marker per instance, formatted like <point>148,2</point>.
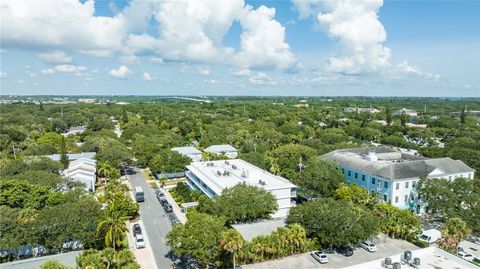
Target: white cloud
<point>405,67</point>
<point>61,25</point>
<point>69,68</point>
<point>48,71</point>
<point>157,60</point>
<point>147,77</point>
<point>32,75</point>
<point>263,40</point>
<point>2,74</point>
<point>188,31</point>
<point>242,72</point>
<point>355,24</point>
<point>261,78</point>
<point>204,71</point>
<point>55,57</point>
<point>121,72</point>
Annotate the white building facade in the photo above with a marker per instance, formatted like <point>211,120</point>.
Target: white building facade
<point>394,175</point>
<point>213,177</point>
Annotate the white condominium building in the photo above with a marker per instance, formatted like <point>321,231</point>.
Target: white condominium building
<point>213,177</point>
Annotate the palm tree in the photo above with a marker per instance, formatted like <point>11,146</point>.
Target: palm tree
<point>105,169</point>
<point>114,227</point>
<point>454,231</point>
<point>231,241</point>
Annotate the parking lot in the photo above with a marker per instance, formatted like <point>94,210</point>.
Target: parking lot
<point>386,248</point>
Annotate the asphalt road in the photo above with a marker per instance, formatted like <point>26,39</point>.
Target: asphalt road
<point>156,221</point>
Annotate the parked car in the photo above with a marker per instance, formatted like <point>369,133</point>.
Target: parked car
<point>72,245</point>
<point>319,256</point>
<point>39,251</point>
<point>465,256</point>
<point>139,241</point>
<point>346,251</point>
<point>369,246</point>
<point>175,221</point>
<point>168,208</point>
<point>430,236</point>
<point>136,229</point>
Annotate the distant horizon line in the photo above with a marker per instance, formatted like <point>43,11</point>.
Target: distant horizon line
<point>262,96</point>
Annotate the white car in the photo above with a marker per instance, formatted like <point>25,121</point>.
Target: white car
<point>465,256</point>
<point>139,241</point>
<point>320,256</point>
<point>369,246</point>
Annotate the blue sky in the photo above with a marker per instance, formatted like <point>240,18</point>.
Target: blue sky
<point>298,47</point>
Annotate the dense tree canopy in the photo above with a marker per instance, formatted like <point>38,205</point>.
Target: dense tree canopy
<point>241,203</point>
<point>457,198</point>
<point>334,223</point>
<point>198,238</point>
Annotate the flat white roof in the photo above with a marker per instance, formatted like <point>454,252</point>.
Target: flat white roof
<point>234,172</point>
<point>431,257</point>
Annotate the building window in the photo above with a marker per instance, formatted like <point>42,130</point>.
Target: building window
<point>373,180</point>
<point>356,175</point>
<point>385,184</point>
<point>385,197</point>
<point>450,177</point>
<point>396,199</point>
<point>406,185</point>
<point>469,176</point>
<point>363,177</point>
<point>414,183</point>
<point>406,198</point>
<point>397,186</point>
<point>349,173</point>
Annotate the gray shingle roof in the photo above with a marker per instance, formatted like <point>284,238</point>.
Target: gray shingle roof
<point>187,150</point>
<point>409,167</point>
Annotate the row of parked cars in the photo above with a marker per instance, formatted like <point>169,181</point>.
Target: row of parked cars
<point>347,251</point>
<point>163,201</point>
<point>29,251</point>
<point>137,233</point>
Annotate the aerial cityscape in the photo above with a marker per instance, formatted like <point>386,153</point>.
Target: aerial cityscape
<point>153,134</point>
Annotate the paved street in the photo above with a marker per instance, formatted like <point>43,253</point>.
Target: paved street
<point>155,220</point>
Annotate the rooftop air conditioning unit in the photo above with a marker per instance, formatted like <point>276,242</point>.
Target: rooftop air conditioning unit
<point>227,163</point>
<point>219,173</point>
<point>234,166</point>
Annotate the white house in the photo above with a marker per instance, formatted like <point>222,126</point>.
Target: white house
<point>191,152</point>
<point>408,112</point>
<point>213,177</point>
<point>74,131</point>
<point>83,170</point>
<point>393,175</point>
<point>218,150</point>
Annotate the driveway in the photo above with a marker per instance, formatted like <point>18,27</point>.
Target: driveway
<point>155,220</point>
<point>388,247</point>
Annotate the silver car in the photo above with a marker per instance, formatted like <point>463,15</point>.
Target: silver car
<point>319,256</point>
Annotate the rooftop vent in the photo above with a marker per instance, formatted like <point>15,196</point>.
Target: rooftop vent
<point>245,174</point>
<point>227,163</point>
<point>371,157</point>
<point>261,182</point>
<point>226,173</point>
<point>234,166</point>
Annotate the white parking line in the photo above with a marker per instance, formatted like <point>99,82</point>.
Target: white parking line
<point>155,221</point>
<point>148,207</point>
<point>162,239</point>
